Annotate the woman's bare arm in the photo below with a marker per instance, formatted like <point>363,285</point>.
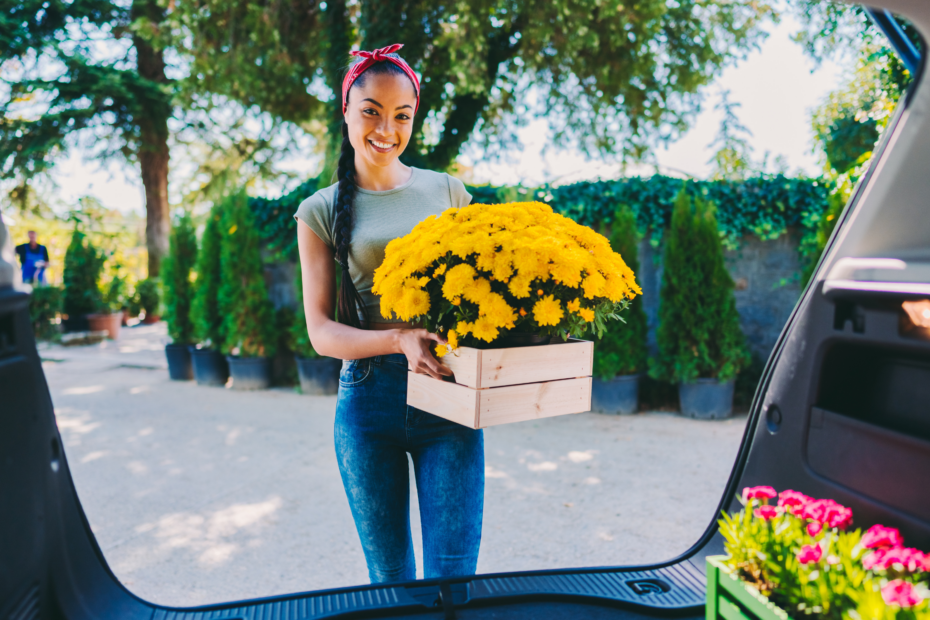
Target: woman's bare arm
<point>332,339</point>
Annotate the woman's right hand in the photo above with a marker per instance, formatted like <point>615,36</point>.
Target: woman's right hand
<point>417,345</point>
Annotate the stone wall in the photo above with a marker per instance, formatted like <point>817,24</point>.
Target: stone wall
<point>767,276</point>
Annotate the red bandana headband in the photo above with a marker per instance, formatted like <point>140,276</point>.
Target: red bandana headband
<point>371,58</point>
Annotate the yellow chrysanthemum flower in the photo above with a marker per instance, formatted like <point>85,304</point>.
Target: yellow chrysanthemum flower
<point>521,246</point>
<point>547,311</point>
<point>484,329</point>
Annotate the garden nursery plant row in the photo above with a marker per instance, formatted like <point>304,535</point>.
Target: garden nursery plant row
<point>221,321</point>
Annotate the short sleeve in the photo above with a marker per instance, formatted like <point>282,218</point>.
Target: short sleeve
<point>458,194</point>
<point>317,213</point>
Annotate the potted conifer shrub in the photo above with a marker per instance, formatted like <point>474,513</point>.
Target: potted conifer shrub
<point>210,366</point>
<point>318,375</point>
<point>620,355</point>
<point>109,315</point>
<point>44,310</point>
<point>176,275</point>
<point>701,345</point>
<point>81,294</point>
<point>149,294</point>
<point>248,316</point>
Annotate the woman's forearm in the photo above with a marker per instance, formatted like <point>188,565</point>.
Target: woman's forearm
<point>333,339</point>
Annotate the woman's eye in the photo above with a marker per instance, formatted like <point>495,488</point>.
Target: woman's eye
<point>403,117</point>
<point>371,111</point>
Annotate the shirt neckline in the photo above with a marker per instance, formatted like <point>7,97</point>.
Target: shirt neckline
<point>413,175</point>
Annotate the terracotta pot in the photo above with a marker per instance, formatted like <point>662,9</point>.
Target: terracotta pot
<point>151,319</point>
<point>109,323</point>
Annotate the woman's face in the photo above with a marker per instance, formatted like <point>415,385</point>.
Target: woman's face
<point>380,117</point>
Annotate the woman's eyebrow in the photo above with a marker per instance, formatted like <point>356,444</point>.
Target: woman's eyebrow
<point>373,101</point>
<point>401,107</point>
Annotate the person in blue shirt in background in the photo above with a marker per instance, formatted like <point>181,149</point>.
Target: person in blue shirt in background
<point>34,259</point>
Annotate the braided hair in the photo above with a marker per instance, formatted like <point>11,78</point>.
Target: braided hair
<point>348,300</point>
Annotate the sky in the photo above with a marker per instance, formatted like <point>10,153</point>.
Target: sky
<point>776,87</point>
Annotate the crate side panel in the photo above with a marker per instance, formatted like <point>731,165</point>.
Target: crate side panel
<point>447,400</point>
<point>465,362</point>
<point>532,401</point>
<point>567,360</point>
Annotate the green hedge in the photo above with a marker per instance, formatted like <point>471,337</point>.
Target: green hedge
<point>763,206</point>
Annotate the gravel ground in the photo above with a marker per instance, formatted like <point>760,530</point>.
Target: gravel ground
<point>200,495</point>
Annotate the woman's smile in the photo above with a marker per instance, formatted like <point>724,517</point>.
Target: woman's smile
<point>381,147</point>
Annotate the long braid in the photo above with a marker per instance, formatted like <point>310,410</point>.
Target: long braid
<point>348,300</point>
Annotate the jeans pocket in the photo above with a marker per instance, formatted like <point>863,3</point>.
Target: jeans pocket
<point>354,372</point>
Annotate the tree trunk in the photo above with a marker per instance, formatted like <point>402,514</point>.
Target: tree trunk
<point>153,151</point>
<point>153,160</point>
<point>339,45</point>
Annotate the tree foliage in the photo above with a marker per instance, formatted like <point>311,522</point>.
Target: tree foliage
<point>612,77</point>
<point>176,276</point>
<point>699,334</point>
<point>248,316</point>
<point>205,313</point>
<point>622,349</point>
<point>850,121</point>
<point>72,70</point>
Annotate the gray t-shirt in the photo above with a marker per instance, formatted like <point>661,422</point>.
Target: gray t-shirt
<point>380,217</point>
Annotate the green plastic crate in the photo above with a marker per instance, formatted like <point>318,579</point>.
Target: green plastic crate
<point>728,598</point>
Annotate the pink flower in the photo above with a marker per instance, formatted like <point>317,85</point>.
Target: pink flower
<point>766,512</point>
<point>901,593</point>
<point>814,528</point>
<point>810,554</point>
<point>826,512</point>
<point>763,493</point>
<point>881,536</point>
<point>791,501</point>
<point>900,559</point>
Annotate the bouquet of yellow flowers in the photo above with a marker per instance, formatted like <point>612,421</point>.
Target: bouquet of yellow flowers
<point>479,272</point>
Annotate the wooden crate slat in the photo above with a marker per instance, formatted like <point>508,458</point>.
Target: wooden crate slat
<point>443,398</point>
<point>532,401</point>
<point>566,360</point>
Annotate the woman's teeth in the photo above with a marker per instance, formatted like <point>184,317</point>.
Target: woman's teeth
<point>384,146</point>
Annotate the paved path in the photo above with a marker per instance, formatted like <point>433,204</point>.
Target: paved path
<point>200,495</point>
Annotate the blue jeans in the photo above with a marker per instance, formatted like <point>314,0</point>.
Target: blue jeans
<point>374,432</point>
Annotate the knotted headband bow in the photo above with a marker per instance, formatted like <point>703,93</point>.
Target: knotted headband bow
<point>370,58</point>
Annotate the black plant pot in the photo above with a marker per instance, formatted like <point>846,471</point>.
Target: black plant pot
<point>75,324</point>
<point>706,399</point>
<point>318,376</point>
<point>250,373</point>
<point>619,396</point>
<point>179,362</point>
<point>210,367</point>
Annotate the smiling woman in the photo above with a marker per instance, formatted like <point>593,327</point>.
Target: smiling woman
<point>376,200</point>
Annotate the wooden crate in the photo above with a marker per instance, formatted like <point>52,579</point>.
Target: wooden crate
<point>499,386</point>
